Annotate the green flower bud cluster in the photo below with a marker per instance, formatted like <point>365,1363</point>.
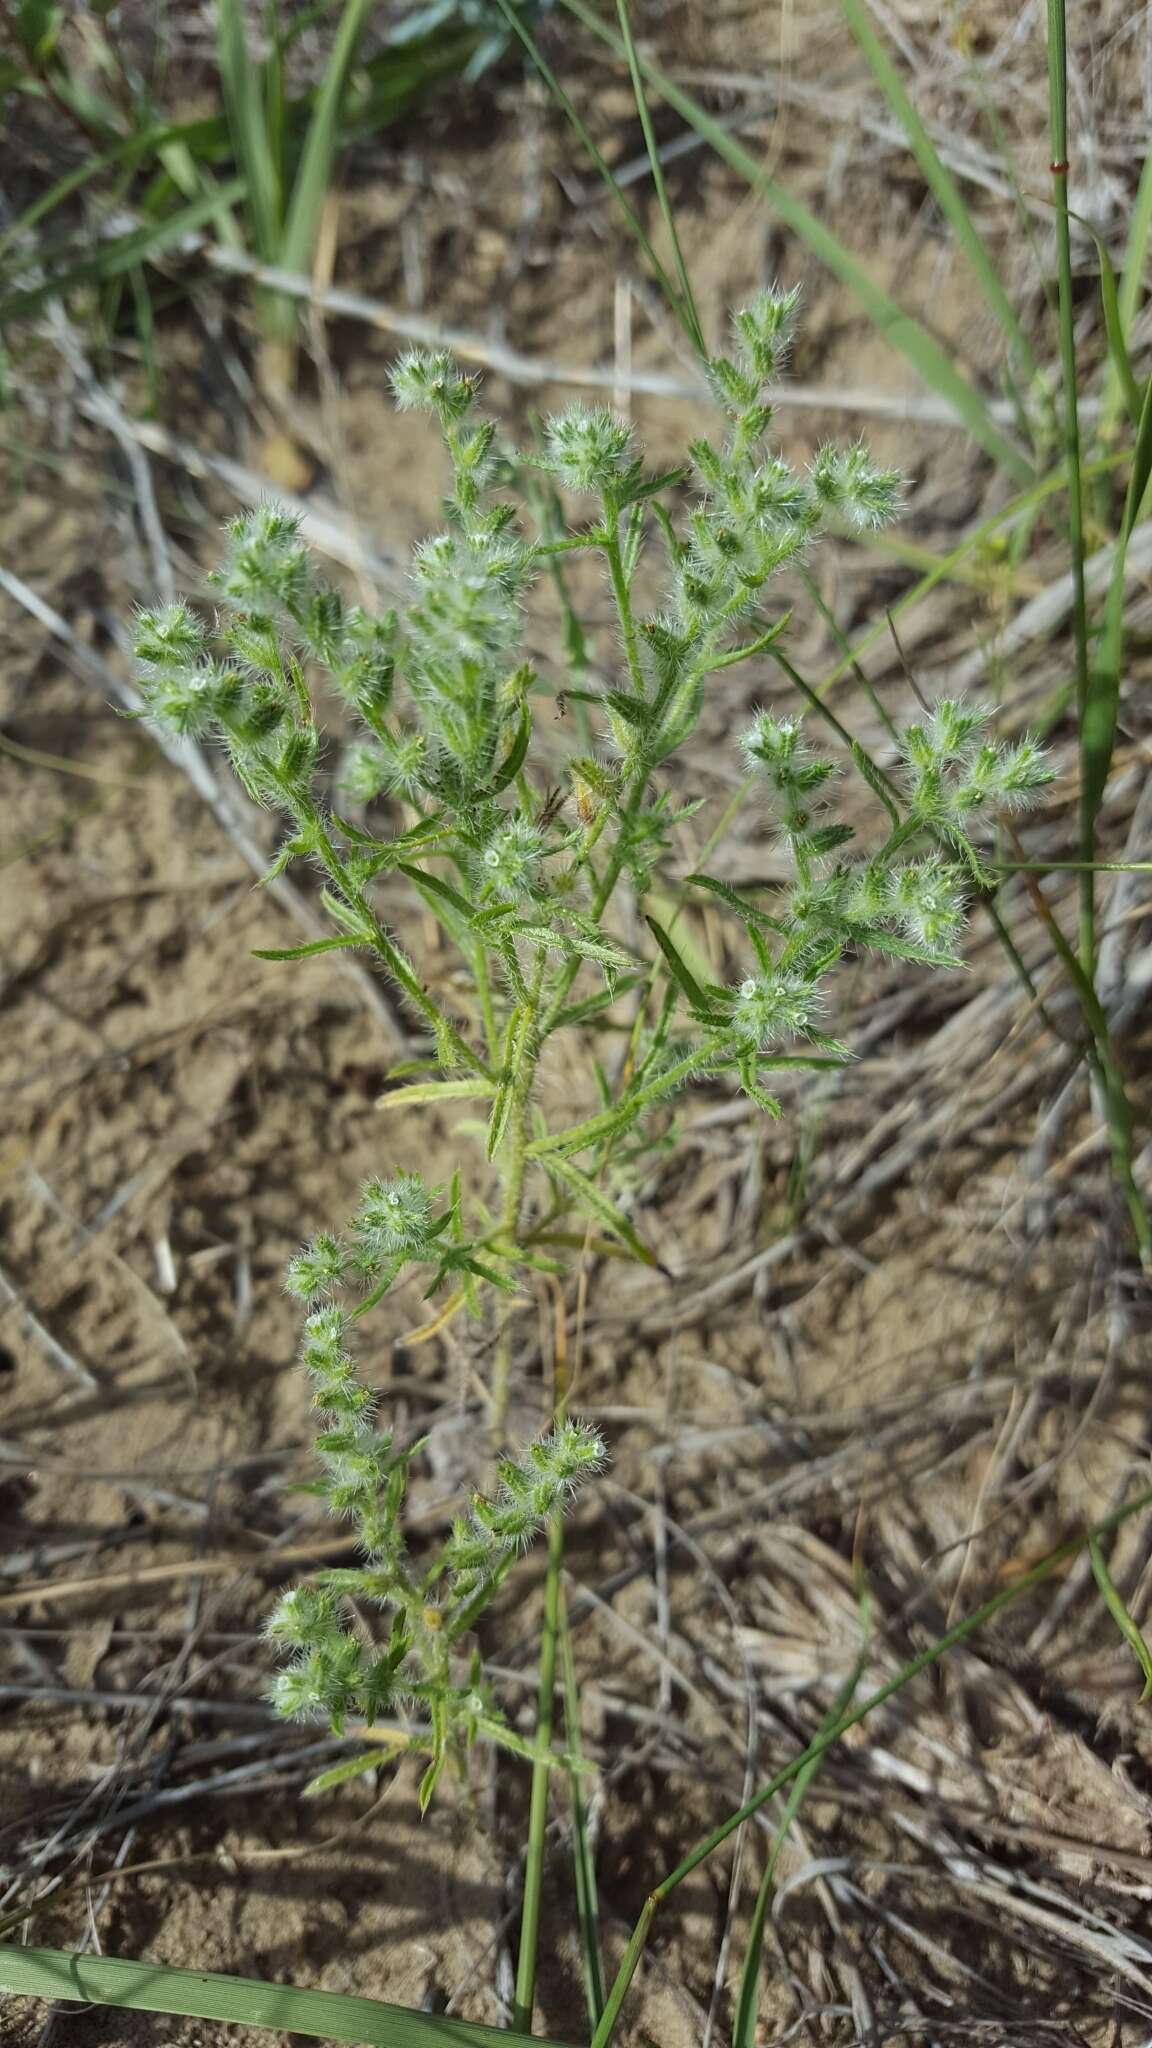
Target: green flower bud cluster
<point>531,1489</point>
<point>911,908</point>
<point>956,777</point>
<point>333,1671</point>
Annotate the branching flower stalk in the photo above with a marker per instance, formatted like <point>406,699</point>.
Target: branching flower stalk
<point>521,880</point>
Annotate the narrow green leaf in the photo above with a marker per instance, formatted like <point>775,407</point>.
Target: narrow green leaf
<point>645,487</point>
<point>923,351</point>
<point>748,2001</point>
<point>594,1006</point>
<point>689,312</point>
<point>502,1101</point>
<point>314,173</point>
<point>680,972</point>
<point>240,76</point>
<point>1120,1615</point>
<point>1133,283</point>
<point>536,1849</point>
<point>516,22</point>
<point>575,944</point>
<point>597,1201</point>
<point>513,760</point>
<point>1114,323</point>
<point>352,1767</point>
<point>940,183</point>
<point>1102,704</point>
<point>635,711</point>
<point>748,911</point>
<point>583,1857</point>
<point>422,1092</point>
<point>238,2001</point>
<point>307,952</point>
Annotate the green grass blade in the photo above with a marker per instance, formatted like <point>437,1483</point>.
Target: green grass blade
<point>1130,293</point>
<point>1027,1582</point>
<point>1113,1601</point>
<point>1102,707</point>
<point>520,28</point>
<point>1120,360</point>
<point>748,2000</point>
<point>1089,764</point>
<point>940,183</point>
<point>310,187</point>
<point>240,77</point>
<point>689,311</point>
<point>931,362</point>
<point>238,2001</point>
<point>112,259</point>
<point>583,1860</point>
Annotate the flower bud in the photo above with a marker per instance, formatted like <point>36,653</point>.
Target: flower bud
<point>588,449</point>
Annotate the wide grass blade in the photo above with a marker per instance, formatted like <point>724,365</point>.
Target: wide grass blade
<point>940,183</point>
<point>238,2001</point>
<point>242,79</point>
<point>931,362</point>
<point>314,172</point>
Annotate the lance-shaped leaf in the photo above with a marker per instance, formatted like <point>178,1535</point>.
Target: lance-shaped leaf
<point>421,1093</point>
<point>593,1198</point>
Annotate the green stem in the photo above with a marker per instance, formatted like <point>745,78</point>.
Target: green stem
<point>623,595</point>
<point>583,1861</point>
<point>513,1170</point>
<point>541,1776</point>
<point>824,1741</point>
<point>487,1011</point>
<point>313,823</point>
<point>1058,130</point>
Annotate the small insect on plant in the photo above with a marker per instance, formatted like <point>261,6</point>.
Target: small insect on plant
<point>522,879</point>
